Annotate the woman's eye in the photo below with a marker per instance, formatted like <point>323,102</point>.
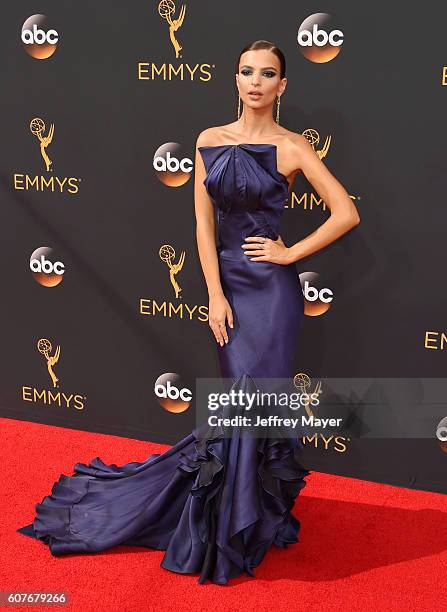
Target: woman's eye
<point>267,73</point>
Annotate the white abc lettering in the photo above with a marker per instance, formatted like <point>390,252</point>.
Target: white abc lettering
<point>173,392</point>
<point>172,164</point>
<point>38,36</point>
<point>319,38</point>
<point>44,265</point>
<point>441,433</point>
<point>333,41</point>
<point>326,295</point>
<point>312,294</point>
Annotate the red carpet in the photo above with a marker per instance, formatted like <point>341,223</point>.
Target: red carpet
<point>363,546</point>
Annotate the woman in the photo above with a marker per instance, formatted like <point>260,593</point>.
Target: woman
<point>217,502</point>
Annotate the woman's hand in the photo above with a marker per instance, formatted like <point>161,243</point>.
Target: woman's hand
<point>266,249</point>
<point>219,311</point>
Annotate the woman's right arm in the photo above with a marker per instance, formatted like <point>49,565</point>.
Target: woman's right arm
<point>219,308</point>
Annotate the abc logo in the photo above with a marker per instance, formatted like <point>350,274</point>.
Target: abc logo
<point>317,299</point>
<point>38,38</point>
<point>319,41</point>
<point>46,269</point>
<point>171,394</point>
<point>441,434</point>
<point>172,166</point>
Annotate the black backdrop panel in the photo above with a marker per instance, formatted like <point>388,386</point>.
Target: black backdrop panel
<point>104,212</point>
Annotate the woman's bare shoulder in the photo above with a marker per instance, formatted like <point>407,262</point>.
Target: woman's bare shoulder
<point>290,147</point>
<point>292,140</point>
<point>224,134</point>
<point>212,136</point>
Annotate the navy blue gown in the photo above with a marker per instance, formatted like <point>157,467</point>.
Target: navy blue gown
<point>215,503</point>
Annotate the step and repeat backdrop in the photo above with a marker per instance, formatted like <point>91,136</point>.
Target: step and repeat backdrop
<point>104,308</point>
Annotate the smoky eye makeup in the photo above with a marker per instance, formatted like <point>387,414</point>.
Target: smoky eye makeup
<point>268,73</point>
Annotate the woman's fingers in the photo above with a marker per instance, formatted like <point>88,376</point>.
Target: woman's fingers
<point>219,315</point>
<point>217,331</point>
<point>230,317</point>
<point>220,330</point>
<point>223,329</point>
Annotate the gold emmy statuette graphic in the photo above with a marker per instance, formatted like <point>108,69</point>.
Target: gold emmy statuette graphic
<point>37,127</point>
<point>44,347</point>
<point>302,382</point>
<point>166,9</point>
<point>314,138</point>
<point>167,254</point>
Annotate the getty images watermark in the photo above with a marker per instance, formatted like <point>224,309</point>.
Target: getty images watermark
<point>350,407</point>
<point>258,403</point>
<point>262,407</point>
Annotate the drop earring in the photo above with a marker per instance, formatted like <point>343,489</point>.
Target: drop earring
<point>277,109</point>
<point>238,106</point>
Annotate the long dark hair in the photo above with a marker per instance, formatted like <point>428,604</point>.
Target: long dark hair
<point>265,44</point>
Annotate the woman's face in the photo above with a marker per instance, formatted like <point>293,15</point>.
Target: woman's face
<point>259,71</point>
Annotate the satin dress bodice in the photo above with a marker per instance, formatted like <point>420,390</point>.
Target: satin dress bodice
<point>247,190</point>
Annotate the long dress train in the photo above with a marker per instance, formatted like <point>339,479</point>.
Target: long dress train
<point>215,503</point>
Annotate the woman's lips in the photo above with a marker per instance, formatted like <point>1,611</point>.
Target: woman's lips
<point>255,96</point>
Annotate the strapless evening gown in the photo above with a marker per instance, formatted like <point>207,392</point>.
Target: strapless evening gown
<point>214,503</point>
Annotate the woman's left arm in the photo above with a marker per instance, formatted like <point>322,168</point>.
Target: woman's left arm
<point>344,215</point>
